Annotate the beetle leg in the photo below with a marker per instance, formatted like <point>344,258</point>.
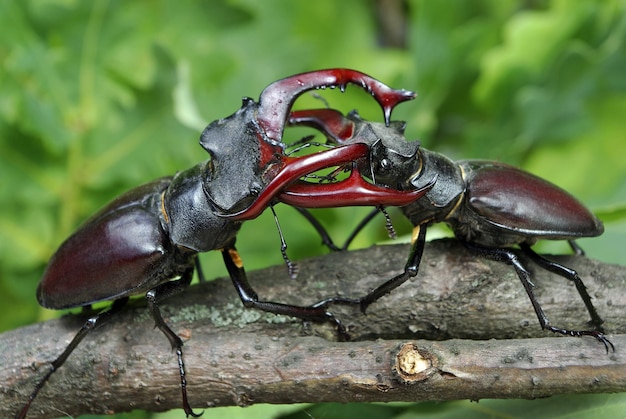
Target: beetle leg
<point>570,274</point>
<point>360,227</point>
<point>578,251</point>
<point>250,299</point>
<point>328,242</point>
<point>507,256</point>
<point>91,324</point>
<point>410,269</point>
<point>326,239</point>
<point>157,294</point>
<point>199,270</point>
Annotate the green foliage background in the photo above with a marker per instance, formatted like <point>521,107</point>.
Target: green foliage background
<point>97,97</point>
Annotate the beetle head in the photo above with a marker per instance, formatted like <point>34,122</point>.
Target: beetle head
<point>241,157</point>
<point>392,167</point>
<point>393,159</point>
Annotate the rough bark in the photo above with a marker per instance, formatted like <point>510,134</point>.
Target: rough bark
<point>462,329</point>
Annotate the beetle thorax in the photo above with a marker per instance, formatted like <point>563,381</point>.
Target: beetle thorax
<point>442,200</point>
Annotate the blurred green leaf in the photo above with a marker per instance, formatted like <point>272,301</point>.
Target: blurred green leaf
<point>616,213</point>
<point>98,97</point>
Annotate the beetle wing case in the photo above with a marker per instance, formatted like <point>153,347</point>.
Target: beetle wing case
<point>518,202</point>
<point>104,258</point>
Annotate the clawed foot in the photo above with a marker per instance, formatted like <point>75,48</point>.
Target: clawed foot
<point>579,333</point>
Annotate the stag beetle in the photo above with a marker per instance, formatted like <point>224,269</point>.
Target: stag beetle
<point>490,206</point>
<point>147,240</point>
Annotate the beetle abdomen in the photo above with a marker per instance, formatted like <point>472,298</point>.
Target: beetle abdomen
<point>114,254</point>
<point>518,201</point>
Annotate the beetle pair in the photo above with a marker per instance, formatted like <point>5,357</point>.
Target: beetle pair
<point>153,233</point>
<point>147,240</point>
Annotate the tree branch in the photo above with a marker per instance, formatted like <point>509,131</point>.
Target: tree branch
<point>236,356</point>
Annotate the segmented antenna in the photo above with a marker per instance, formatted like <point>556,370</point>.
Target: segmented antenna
<point>302,142</point>
<point>305,142</point>
<point>390,230</point>
<point>292,268</point>
<point>321,98</point>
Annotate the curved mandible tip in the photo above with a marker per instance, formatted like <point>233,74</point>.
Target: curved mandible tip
<point>277,99</point>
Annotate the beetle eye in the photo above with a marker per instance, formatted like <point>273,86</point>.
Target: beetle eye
<point>246,202</point>
<point>385,164</point>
